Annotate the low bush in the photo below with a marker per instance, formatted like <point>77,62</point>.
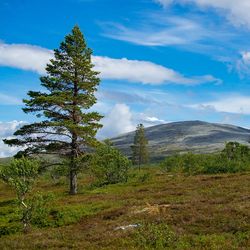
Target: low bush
<point>161,236</point>
<point>109,166</point>
<point>40,208</point>
<point>154,236</point>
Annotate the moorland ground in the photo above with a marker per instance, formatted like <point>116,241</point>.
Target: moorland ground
<point>202,212</point>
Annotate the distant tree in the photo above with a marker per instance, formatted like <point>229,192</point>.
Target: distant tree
<point>68,127</point>
<point>21,174</point>
<point>140,153</point>
<point>108,164</point>
<point>236,151</point>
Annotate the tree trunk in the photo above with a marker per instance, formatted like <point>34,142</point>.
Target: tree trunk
<point>25,216</point>
<point>73,167</point>
<point>73,181</point>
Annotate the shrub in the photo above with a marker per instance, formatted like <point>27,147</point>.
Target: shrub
<point>155,236</point>
<point>109,166</point>
<point>21,174</point>
<point>40,209</point>
<point>234,158</point>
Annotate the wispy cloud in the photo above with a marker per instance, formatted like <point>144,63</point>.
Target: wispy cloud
<point>234,104</point>
<point>9,100</point>
<point>243,64</point>
<point>34,58</point>
<point>236,12</point>
<point>199,31</point>
<point>165,31</point>
<point>164,28</point>
<point>140,97</point>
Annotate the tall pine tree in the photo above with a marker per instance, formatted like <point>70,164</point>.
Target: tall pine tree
<point>68,127</point>
<point>139,148</point>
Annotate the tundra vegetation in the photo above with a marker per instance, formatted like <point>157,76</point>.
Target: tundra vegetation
<point>234,158</point>
<point>185,202</point>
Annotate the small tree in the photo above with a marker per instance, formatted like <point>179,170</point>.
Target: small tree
<point>68,126</point>
<point>139,148</point>
<point>108,165</point>
<point>21,174</point>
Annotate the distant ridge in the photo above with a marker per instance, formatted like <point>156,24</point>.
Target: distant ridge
<point>186,136</point>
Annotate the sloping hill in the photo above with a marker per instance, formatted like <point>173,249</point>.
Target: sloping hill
<point>5,160</point>
<point>187,136</point>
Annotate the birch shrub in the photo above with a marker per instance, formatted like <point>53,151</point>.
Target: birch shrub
<point>21,174</point>
<point>109,166</point>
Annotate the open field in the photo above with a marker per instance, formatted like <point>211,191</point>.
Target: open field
<point>202,212</point>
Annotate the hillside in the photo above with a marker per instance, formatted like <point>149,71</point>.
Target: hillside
<point>187,136</point>
<point>5,160</point>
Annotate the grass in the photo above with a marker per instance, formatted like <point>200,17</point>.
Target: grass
<point>195,212</point>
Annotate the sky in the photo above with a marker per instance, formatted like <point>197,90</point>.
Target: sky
<point>159,60</point>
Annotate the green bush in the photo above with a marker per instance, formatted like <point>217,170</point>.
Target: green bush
<point>40,209</point>
<point>109,166</point>
<point>154,236</point>
<point>20,174</point>
<point>9,219</point>
<point>9,228</point>
<point>234,158</point>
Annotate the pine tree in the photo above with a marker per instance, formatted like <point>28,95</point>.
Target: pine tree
<point>139,148</point>
<point>68,126</point>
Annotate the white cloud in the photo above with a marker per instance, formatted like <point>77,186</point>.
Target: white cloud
<point>236,11</point>
<point>246,57</point>
<point>144,71</point>
<point>230,104</point>
<point>34,58</point>
<point>117,121</point>
<point>24,56</point>
<point>148,120</point>
<point>243,64</point>
<point>120,119</point>
<point>154,119</point>
<point>6,132</point>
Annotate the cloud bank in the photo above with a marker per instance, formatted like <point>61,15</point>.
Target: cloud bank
<point>34,58</point>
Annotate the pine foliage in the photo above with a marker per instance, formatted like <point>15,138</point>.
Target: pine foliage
<point>67,126</point>
<point>139,148</point>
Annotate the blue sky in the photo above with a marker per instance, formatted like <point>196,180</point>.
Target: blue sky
<point>160,60</point>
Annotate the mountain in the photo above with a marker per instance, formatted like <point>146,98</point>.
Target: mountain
<point>187,136</point>
<point>5,160</point>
